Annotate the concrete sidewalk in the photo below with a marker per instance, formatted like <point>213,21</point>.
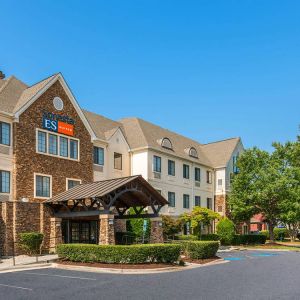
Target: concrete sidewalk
<point>25,260</point>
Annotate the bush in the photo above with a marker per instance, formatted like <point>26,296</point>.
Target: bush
<point>31,242</point>
<point>225,231</point>
<point>247,239</point>
<point>183,237</point>
<point>210,237</point>
<point>278,233</point>
<point>134,254</point>
<point>125,238</point>
<point>200,249</point>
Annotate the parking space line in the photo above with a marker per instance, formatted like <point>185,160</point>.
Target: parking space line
<point>62,276</point>
<point>15,287</point>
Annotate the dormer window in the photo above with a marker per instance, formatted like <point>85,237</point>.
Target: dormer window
<point>166,143</point>
<point>193,152</point>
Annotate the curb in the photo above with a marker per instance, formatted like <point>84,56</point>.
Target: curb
<point>190,266</point>
<point>25,267</point>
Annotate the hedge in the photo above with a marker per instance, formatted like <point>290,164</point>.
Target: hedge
<point>189,237</point>
<point>199,249</point>
<point>278,233</point>
<point>210,237</point>
<point>203,237</point>
<point>246,239</point>
<point>133,254</point>
<point>31,242</point>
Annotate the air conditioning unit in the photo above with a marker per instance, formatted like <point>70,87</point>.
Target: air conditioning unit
<point>156,175</point>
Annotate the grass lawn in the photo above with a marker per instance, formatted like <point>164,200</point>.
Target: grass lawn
<point>278,246</point>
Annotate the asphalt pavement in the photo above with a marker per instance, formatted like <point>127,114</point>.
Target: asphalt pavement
<point>246,275</point>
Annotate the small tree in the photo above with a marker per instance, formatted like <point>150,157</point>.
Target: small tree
<point>171,226</point>
<point>200,216</point>
<point>225,231</point>
<point>135,226</point>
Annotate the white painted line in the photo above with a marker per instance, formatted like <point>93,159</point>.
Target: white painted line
<point>15,287</point>
<point>62,276</point>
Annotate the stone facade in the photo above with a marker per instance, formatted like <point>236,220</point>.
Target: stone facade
<point>106,230</point>
<point>221,205</point>
<point>55,233</point>
<point>28,161</point>
<point>156,233</point>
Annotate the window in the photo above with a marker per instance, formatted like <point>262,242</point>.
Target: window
<point>72,182</point>
<point>197,174</point>
<point>4,133</point>
<point>234,162</point>
<point>99,156</point>
<point>209,203</point>
<point>166,143</point>
<point>193,152</point>
<point>52,145</point>
<point>4,182</point>
<point>186,201</point>
<point>197,201</point>
<point>156,164</point>
<point>171,199</point>
<point>64,147</point>
<point>42,144</point>
<point>118,161</point>
<point>208,177</point>
<point>42,186</point>
<point>73,149</point>
<point>186,171</point>
<point>220,182</point>
<point>57,145</point>
<point>171,167</point>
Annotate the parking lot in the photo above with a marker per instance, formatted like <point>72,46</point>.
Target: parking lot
<point>245,275</point>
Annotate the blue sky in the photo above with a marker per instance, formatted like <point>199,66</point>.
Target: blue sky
<point>209,70</point>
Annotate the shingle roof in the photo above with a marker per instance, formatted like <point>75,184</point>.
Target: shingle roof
<point>14,93</point>
<point>103,127</point>
<point>219,153</point>
<point>140,133</point>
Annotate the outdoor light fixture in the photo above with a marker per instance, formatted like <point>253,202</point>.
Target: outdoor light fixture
<point>111,221</point>
<point>160,223</point>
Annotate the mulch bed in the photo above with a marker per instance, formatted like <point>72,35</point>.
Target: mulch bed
<point>201,261</point>
<point>117,266</point>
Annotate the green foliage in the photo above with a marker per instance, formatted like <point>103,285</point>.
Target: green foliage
<point>135,226</point>
<point>134,254</point>
<point>31,242</point>
<point>279,233</point>
<point>226,231</point>
<point>210,237</point>
<point>200,216</point>
<point>246,239</point>
<point>199,249</point>
<point>268,183</point>
<point>183,237</point>
<point>171,226</point>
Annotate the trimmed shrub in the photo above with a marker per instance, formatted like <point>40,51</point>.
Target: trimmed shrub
<point>199,249</point>
<point>246,239</point>
<point>279,233</point>
<point>133,254</point>
<point>210,237</point>
<point>183,237</point>
<point>225,231</point>
<point>265,233</point>
<point>31,242</point>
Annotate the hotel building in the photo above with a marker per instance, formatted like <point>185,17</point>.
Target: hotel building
<point>49,145</point>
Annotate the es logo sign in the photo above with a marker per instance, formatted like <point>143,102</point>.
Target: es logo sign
<point>54,123</point>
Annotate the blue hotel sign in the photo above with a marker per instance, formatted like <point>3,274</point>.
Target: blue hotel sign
<point>58,123</point>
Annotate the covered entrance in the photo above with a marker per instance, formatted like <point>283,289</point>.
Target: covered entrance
<point>94,212</point>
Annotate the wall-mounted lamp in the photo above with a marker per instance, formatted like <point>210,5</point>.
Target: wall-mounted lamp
<point>111,221</point>
<point>160,223</point>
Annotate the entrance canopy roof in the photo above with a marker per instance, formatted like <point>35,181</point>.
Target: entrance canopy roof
<point>106,196</point>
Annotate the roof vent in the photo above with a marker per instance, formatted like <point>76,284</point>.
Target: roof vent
<point>2,75</point>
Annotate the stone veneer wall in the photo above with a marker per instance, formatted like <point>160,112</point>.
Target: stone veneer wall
<point>221,200</point>
<point>17,217</point>
<point>28,161</point>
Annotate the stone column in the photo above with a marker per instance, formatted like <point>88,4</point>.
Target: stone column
<point>55,233</point>
<point>106,229</point>
<point>156,232</point>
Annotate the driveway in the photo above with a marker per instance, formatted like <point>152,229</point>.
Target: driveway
<point>246,275</point>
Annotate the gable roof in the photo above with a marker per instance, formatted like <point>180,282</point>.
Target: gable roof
<point>141,134</point>
<point>219,153</point>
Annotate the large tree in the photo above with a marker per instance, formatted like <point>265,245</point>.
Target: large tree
<point>267,183</point>
<point>200,216</point>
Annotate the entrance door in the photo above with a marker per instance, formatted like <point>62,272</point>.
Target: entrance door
<point>80,231</point>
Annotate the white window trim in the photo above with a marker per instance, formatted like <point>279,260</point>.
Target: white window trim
<point>34,179</point>
<point>10,181</point>
<point>153,164</point>
<point>58,144</point>
<point>104,155</point>
<point>10,136</point>
<point>74,179</point>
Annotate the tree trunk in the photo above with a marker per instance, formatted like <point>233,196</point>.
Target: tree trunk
<point>271,232</point>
